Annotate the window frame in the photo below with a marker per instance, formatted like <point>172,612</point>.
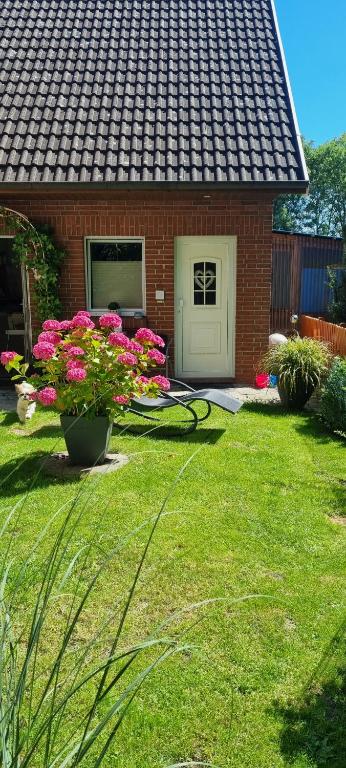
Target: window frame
<point>88,266</point>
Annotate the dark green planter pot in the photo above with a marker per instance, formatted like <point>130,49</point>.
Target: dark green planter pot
<point>87,440</point>
<point>295,401</point>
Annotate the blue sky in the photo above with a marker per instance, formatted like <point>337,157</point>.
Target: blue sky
<point>313,34</point>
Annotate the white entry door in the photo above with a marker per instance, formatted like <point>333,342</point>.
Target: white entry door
<point>205,306</point>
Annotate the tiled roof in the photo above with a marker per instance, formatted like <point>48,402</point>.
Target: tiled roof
<point>124,91</point>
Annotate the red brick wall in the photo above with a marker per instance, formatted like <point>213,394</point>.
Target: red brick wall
<point>159,217</point>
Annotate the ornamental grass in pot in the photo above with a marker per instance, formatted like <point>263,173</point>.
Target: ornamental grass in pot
<point>89,375</point>
<point>300,366</point>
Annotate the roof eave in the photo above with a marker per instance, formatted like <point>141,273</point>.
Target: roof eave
<point>290,93</point>
<point>279,187</point>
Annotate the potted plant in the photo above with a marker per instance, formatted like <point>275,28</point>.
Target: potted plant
<point>89,375</point>
<point>299,365</point>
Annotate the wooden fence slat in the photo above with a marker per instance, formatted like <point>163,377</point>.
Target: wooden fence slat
<point>335,335</point>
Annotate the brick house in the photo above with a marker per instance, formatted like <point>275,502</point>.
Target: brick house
<point>153,136</point>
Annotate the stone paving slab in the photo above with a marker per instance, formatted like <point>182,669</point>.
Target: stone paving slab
<point>59,465</point>
<point>252,394</point>
<point>269,395</point>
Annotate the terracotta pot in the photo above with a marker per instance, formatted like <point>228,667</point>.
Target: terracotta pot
<point>297,399</point>
<point>87,439</point>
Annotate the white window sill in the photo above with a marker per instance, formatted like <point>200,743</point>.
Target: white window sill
<point>121,312</point>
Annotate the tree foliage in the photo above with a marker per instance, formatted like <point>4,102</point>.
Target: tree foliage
<point>323,210</point>
<point>337,307</point>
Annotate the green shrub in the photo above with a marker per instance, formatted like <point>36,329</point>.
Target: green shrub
<point>298,362</point>
<point>333,401</point>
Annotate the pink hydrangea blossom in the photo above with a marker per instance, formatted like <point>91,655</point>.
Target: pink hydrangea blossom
<point>51,336</point>
<point>161,382</point>
<point>74,364</point>
<point>43,350</point>
<point>47,396</point>
<point>65,325</point>
<point>83,312</point>
<point>6,357</point>
<point>142,383</point>
<point>159,340</point>
<point>82,321</point>
<point>127,359</point>
<point>74,351</point>
<point>121,399</point>
<point>110,321</point>
<point>120,340</point>
<point>51,325</point>
<point>145,335</point>
<point>136,347</point>
<point>157,356</point>
<point>76,374</point>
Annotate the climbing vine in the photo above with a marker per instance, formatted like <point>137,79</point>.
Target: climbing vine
<point>35,249</point>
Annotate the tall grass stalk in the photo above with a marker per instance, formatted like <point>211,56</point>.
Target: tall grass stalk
<point>36,703</point>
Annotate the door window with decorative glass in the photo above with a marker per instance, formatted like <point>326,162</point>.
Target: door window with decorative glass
<point>115,274</point>
<point>204,283</point>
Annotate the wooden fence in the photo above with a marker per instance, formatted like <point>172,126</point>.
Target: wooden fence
<point>335,335</point>
<point>299,276</point>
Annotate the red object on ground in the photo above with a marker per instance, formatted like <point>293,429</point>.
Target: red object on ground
<point>262,380</point>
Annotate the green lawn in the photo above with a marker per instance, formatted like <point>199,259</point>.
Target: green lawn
<point>264,683</point>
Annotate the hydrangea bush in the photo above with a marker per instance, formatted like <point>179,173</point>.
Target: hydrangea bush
<point>87,369</point>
